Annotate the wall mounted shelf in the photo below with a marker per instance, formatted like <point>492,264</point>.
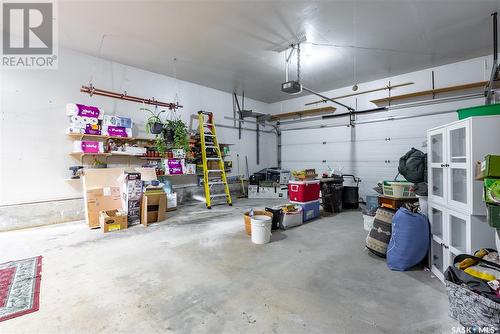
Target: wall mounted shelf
<point>79,136</point>
<point>448,89</point>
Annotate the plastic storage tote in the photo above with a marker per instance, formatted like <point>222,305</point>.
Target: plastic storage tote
<point>310,209</point>
<point>398,189</point>
<point>291,219</point>
<point>303,191</point>
<point>487,110</point>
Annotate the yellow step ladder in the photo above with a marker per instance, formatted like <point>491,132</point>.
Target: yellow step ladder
<point>211,177</point>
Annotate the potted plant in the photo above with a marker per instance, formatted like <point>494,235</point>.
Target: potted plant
<point>154,125</point>
<point>96,163</point>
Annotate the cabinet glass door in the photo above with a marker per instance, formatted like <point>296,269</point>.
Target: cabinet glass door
<point>458,147</point>
<point>458,232</point>
<point>458,184</point>
<point>457,167</point>
<point>437,223</point>
<point>437,182</point>
<point>437,169</point>
<point>437,147</point>
<point>438,259</point>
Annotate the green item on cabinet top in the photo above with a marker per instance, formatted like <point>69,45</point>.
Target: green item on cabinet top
<point>490,167</point>
<point>492,191</point>
<point>487,110</point>
<point>493,216</point>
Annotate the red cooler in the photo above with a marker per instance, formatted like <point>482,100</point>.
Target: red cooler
<point>303,191</point>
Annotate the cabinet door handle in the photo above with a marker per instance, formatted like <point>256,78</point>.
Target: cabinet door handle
<point>442,165</point>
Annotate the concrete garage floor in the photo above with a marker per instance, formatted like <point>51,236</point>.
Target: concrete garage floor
<point>198,272</point>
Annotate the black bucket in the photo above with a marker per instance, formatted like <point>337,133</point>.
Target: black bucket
<point>350,194</point>
<point>331,193</point>
<point>277,217</point>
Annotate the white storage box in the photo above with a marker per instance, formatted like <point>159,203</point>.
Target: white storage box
<point>255,191</point>
<point>291,219</point>
<point>171,201</point>
<point>368,222</point>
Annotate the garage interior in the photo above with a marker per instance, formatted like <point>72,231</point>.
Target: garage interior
<point>250,167</point>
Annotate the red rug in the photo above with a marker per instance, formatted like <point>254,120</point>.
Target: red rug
<point>19,287</point>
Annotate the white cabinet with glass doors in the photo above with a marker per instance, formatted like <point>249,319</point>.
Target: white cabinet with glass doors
<point>456,210</point>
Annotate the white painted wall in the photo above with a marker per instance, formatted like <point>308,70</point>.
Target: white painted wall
<point>34,149</point>
<point>363,150</point>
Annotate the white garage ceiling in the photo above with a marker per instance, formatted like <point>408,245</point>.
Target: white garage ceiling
<point>228,45</point>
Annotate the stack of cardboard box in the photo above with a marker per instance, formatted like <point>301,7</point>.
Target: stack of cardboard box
<point>99,199</point>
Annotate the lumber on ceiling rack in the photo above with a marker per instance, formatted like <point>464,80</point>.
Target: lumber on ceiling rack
<point>303,113</point>
<point>388,87</point>
<point>91,90</point>
<point>449,89</point>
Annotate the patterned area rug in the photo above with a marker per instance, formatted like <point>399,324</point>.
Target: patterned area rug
<point>19,287</point>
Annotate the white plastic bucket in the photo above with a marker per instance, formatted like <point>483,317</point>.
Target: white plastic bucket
<point>261,229</point>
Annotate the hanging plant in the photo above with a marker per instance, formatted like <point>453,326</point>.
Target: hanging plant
<point>161,146</point>
<point>154,125</point>
<point>180,134</point>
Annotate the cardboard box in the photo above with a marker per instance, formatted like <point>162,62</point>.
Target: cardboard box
<point>113,220</point>
<point>173,166</point>
<point>101,199</point>
<point>109,120</point>
<point>213,164</point>
<point>492,191</point>
<point>131,193</point>
<point>153,208</point>
<point>130,150</point>
<point>116,131</point>
<point>189,169</point>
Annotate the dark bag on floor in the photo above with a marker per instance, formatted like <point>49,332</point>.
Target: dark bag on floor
<point>472,302</point>
<point>413,166</point>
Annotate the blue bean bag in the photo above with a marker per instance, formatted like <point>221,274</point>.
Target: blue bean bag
<point>409,240</point>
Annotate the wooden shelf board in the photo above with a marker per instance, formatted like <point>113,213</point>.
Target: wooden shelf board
<point>430,92</point>
<point>81,136</point>
<point>79,154</point>
<point>303,113</point>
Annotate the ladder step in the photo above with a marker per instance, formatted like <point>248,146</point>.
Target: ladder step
<point>213,158</point>
<point>209,135</point>
<point>214,170</point>
<point>208,124</point>
<point>216,182</point>
<point>218,195</point>
<point>210,146</point>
